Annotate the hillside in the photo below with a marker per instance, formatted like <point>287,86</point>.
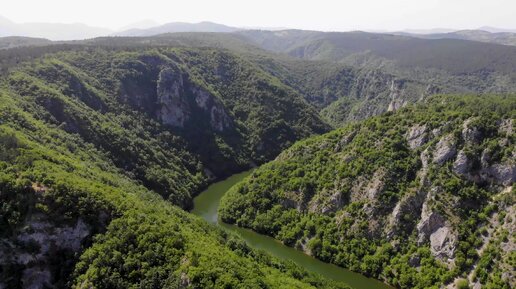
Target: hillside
<point>14,41</point>
<point>450,55</point>
<point>421,198</point>
<point>505,38</point>
<point>97,145</point>
<point>174,27</point>
<point>379,72</point>
<point>357,70</point>
<point>53,31</point>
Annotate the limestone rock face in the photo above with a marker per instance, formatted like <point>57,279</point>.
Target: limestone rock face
<point>49,239</point>
<point>180,100</point>
<point>173,109</point>
<point>505,126</point>
<point>430,222</point>
<point>504,174</point>
<point>368,189</point>
<point>471,133</point>
<point>461,165</point>
<point>396,91</point>
<point>444,150</point>
<point>442,243</point>
<point>417,136</point>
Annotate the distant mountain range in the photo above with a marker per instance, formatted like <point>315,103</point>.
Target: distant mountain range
<point>174,27</point>
<point>506,38</point>
<point>53,31</point>
<point>79,31</point>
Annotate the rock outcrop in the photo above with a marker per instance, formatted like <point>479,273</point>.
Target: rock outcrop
<point>462,164</point>
<point>444,150</point>
<point>433,227</point>
<point>47,241</point>
<point>180,100</point>
<point>470,133</point>
<point>417,136</point>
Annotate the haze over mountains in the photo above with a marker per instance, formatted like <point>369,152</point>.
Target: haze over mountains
<point>389,154</point>
<point>79,31</point>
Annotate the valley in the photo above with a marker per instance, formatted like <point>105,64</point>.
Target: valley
<point>206,206</point>
<point>257,159</point>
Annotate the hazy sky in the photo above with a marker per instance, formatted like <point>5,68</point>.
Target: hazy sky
<point>319,15</point>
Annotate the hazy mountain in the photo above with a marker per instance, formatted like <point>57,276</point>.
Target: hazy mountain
<point>98,138</point>
<point>143,24</point>
<point>496,29</point>
<point>428,31</point>
<point>6,26</point>
<point>178,27</point>
<point>505,38</point>
<point>17,41</point>
<point>53,31</point>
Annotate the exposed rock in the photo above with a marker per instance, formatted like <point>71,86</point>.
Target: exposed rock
<point>504,174</point>
<point>429,223</point>
<point>396,92</point>
<point>180,100</point>
<point>292,200</point>
<point>461,166</point>
<point>442,243</point>
<point>505,127</point>
<point>424,157</point>
<point>485,158</point>
<point>396,104</point>
<point>219,120</point>
<point>364,189</point>
<point>345,140</point>
<point>325,202</point>
<point>170,91</point>
<point>444,150</point>
<point>185,280</point>
<point>470,133</point>
<point>432,226</point>
<point>410,204</point>
<point>46,239</point>
<point>417,136</point>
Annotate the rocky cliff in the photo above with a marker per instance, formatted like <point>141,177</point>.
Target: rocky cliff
<point>407,197</point>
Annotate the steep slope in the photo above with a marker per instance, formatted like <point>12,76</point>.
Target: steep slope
<point>360,74</point>
<point>379,72</point>
<point>414,198</point>
<point>70,218</point>
<point>450,55</point>
<point>103,142</point>
<point>174,112</point>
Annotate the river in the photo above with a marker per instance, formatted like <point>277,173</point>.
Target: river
<point>207,204</point>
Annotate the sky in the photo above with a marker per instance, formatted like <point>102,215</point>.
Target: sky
<point>325,15</point>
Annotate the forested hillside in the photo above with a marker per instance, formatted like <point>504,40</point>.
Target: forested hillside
<point>362,74</point>
<point>96,147</point>
<point>344,76</point>
<point>104,143</point>
<point>420,198</point>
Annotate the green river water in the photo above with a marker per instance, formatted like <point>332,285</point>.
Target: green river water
<point>207,204</point>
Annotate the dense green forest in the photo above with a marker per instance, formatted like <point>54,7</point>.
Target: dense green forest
<point>93,157</point>
<point>104,143</point>
<point>419,198</point>
<point>347,76</point>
